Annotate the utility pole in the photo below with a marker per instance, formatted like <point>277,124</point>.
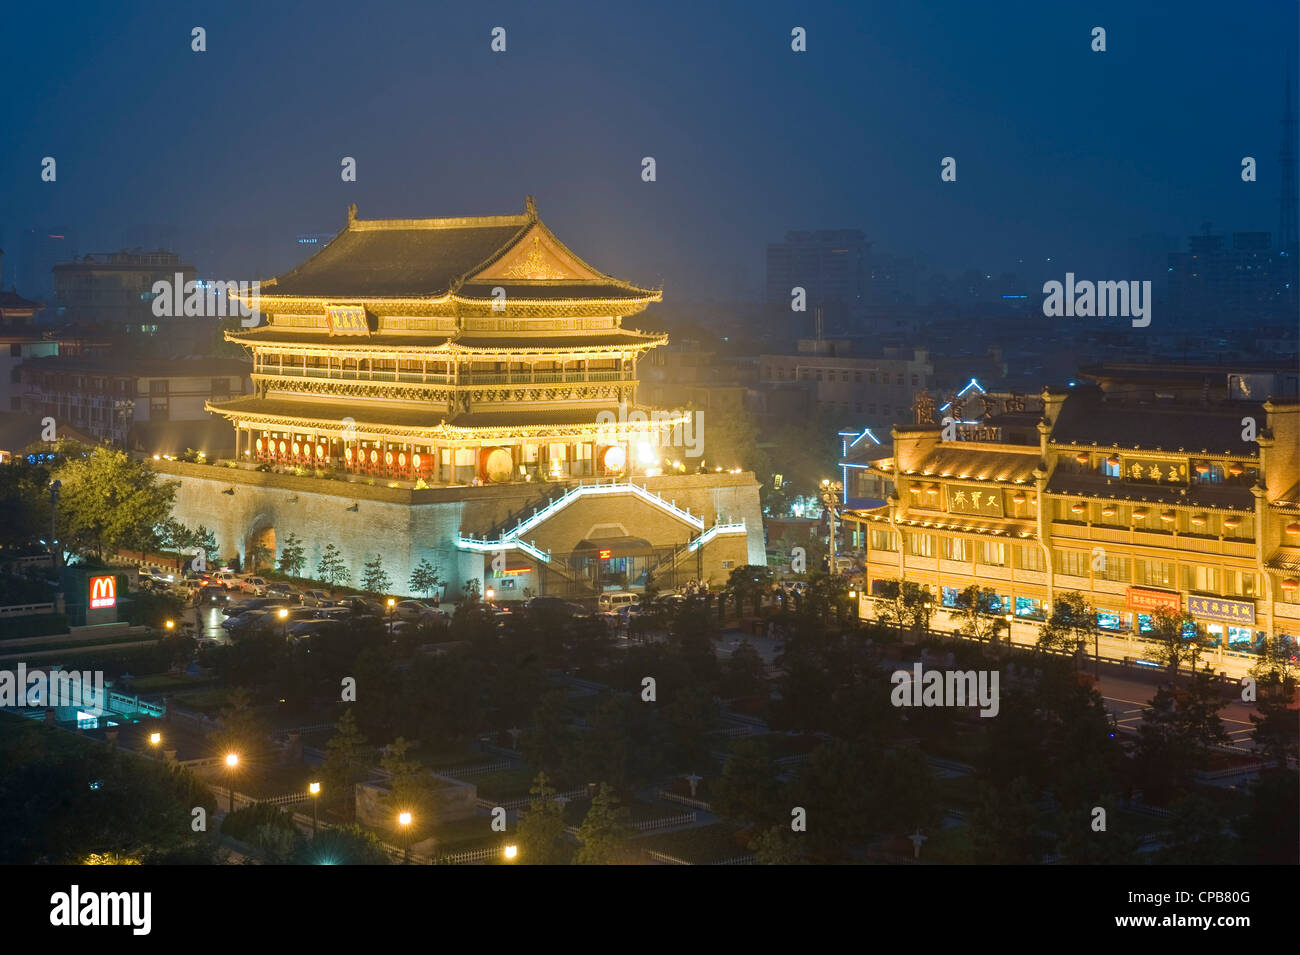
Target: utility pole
<point>54,510</point>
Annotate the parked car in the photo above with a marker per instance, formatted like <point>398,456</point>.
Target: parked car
<point>616,599</point>
<point>306,629</point>
<point>227,578</point>
<point>255,586</point>
<point>248,621</point>
<point>410,609</point>
<point>257,603</point>
<point>556,604</point>
<point>317,598</point>
<point>283,590</point>
<point>359,605</point>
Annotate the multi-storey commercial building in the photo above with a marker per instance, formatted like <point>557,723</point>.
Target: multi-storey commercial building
<point>874,390</point>
<point>115,289</point>
<point>464,390</point>
<point>1141,492</point>
<point>138,403</point>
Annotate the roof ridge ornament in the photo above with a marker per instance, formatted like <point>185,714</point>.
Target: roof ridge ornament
<point>352,213</point>
<point>530,207</point>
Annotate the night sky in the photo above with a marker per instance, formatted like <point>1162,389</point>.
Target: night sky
<point>1060,151</point>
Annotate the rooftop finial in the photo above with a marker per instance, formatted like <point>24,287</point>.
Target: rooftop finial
<point>530,207</point>
<point>352,213</point>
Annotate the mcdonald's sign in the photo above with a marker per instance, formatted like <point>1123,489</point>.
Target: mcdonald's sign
<point>103,592</point>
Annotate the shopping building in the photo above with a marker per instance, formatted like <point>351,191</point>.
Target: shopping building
<point>1147,487</point>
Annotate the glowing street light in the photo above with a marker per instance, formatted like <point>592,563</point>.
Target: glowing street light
<point>511,852</point>
<point>232,762</point>
<point>170,624</point>
<point>314,789</point>
<point>404,819</point>
<point>490,594</point>
<point>155,738</point>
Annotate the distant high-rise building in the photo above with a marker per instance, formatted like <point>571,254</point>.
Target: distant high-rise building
<point>115,289</point>
<point>1247,279</point>
<point>32,254</point>
<point>831,265</point>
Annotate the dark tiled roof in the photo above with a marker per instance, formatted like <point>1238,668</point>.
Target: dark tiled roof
<point>426,258</point>
<point>1234,498</point>
<point>13,300</point>
<point>1087,420</point>
<point>977,463</point>
<point>394,262</point>
<point>474,290</point>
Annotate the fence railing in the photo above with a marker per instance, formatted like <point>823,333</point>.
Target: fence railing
<point>667,822</point>
<point>524,802</point>
<point>685,800</point>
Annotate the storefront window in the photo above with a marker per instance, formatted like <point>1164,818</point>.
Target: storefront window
<point>950,596</point>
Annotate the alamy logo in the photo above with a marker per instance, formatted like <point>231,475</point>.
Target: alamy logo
<point>946,688</point>
<point>1098,299</point>
<point>669,429</point>
<point>173,299</point>
<point>73,908</point>
<point>83,689</point>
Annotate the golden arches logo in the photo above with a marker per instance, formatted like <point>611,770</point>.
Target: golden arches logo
<point>103,592</point>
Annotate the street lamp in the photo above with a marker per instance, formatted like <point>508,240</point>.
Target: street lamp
<point>490,594</point>
<point>284,622</point>
<point>511,852</point>
<point>314,789</point>
<point>830,495</point>
<point>404,820</point>
<point>392,605</point>
<point>170,624</point>
<point>155,739</point>
<point>232,762</point>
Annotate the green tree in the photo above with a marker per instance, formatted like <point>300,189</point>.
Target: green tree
<point>424,578</point>
<point>745,673</point>
<point>110,501</point>
<point>1276,732</point>
<point>748,584</point>
<point>1196,834</point>
<point>242,731</point>
<point>1178,725</point>
<point>1004,826</point>
<point>777,845</point>
<point>1072,624</point>
<point>331,569</point>
<point>345,764</point>
<point>905,603</point>
<point>835,788</point>
<point>206,541</point>
<point>542,827</point>
<point>977,608</point>
<point>1177,639</point>
<point>293,557</point>
<point>605,830</point>
<point>747,790</point>
<point>408,785</point>
<point>343,845</point>
<point>374,579</point>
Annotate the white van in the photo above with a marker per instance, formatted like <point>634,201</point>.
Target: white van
<point>226,578</point>
<point>617,599</point>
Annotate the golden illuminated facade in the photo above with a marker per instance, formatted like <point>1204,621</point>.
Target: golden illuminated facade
<point>450,352</point>
<point>1189,505</point>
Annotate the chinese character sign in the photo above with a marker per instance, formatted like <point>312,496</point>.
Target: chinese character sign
<point>1240,612</point>
<point>347,320</point>
<point>974,499</point>
<point>1154,472</point>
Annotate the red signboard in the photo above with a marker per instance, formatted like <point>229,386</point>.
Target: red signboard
<point>604,554</point>
<point>103,592</point>
<point>1139,598</point>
